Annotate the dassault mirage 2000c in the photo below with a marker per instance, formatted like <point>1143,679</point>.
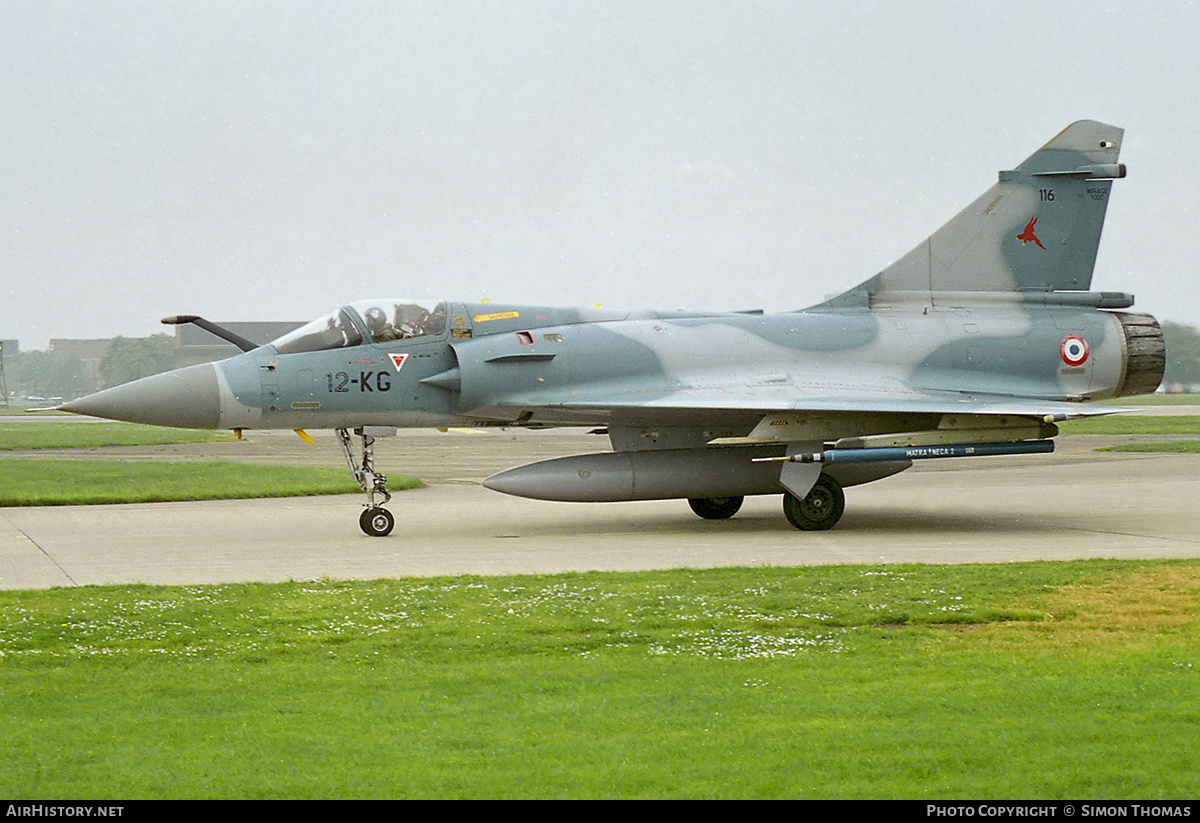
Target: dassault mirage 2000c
<point>974,343</point>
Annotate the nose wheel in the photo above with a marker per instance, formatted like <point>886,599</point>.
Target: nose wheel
<point>375,520</point>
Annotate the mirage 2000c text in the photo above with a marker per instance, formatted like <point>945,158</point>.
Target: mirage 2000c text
<point>975,343</point>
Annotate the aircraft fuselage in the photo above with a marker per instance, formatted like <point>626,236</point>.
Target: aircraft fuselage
<point>561,374</point>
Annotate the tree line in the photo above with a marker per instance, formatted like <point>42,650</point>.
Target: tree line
<point>1183,356</point>
<point>49,374</point>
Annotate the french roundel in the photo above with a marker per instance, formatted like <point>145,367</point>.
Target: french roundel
<point>1074,350</point>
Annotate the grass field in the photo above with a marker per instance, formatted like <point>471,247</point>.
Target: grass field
<point>1033,680</point>
<point>72,482</point>
<point>1134,424</point>
<point>56,435</point>
<point>1141,425</point>
<point>1171,447</point>
<point>1155,400</point>
<point>21,409</point>
<point>76,482</point>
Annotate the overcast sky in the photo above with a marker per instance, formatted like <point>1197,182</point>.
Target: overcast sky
<point>262,160</point>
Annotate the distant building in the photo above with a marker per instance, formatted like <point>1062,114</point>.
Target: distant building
<point>194,345</point>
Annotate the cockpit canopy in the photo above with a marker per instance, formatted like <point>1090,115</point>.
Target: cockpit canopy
<point>376,321</point>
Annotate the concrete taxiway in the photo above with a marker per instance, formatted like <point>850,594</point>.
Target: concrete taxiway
<point>1077,503</point>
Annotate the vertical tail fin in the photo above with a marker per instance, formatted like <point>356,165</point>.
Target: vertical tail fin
<point>1036,230</point>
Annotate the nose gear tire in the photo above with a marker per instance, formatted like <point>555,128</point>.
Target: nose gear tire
<point>377,522</point>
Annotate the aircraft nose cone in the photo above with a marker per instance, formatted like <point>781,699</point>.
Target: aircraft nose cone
<point>186,398</point>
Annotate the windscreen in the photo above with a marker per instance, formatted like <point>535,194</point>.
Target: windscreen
<point>334,331</point>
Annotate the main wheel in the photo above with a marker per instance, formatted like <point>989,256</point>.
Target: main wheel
<point>715,508</point>
<point>377,522</point>
<point>821,509</point>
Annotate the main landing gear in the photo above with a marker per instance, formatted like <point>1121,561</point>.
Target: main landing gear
<point>820,509</point>
<point>375,520</point>
<point>716,508</point>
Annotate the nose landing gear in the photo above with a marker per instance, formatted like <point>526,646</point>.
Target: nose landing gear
<point>374,520</point>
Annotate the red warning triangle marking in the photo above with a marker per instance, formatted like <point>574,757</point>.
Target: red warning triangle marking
<point>398,360</point>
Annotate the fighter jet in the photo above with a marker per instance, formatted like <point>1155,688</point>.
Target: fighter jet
<point>975,343</point>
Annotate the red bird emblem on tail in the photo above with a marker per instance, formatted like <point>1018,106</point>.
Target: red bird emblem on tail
<point>1028,235</point>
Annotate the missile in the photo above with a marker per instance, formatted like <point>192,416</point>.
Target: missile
<point>928,452</point>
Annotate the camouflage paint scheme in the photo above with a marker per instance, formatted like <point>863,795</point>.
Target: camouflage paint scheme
<point>984,333</point>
